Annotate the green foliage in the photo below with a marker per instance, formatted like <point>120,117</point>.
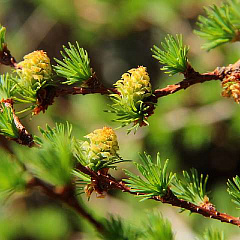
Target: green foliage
<point>24,94</point>
<point>12,177</point>
<point>235,12</point>
<point>7,89</point>
<point>2,37</point>
<point>157,179</point>
<point>53,161</point>
<point>234,189</point>
<point>173,56</point>
<point>191,188</point>
<point>155,227</point>
<point>212,234</point>
<point>55,134</point>
<point>7,124</point>
<point>82,180</point>
<point>116,229</point>
<point>158,228</point>
<point>11,89</point>
<point>221,24</point>
<point>75,66</point>
<point>128,112</point>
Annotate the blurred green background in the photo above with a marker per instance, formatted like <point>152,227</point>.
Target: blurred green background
<point>193,128</point>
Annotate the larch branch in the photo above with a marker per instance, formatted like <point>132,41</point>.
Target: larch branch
<point>106,182</point>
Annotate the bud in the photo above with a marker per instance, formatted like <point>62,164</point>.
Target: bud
<point>135,84</point>
<point>231,88</point>
<point>133,103</point>
<point>207,204</point>
<point>103,144</point>
<point>35,68</point>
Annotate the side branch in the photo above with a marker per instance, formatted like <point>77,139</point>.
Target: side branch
<point>211,212</point>
<point>191,77</point>
<point>187,82</point>
<point>104,182</point>
<point>84,91</point>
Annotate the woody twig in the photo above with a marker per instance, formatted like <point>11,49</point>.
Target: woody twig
<point>105,182</point>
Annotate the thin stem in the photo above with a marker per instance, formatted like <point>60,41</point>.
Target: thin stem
<point>84,91</point>
<point>186,83</point>
<point>192,77</point>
